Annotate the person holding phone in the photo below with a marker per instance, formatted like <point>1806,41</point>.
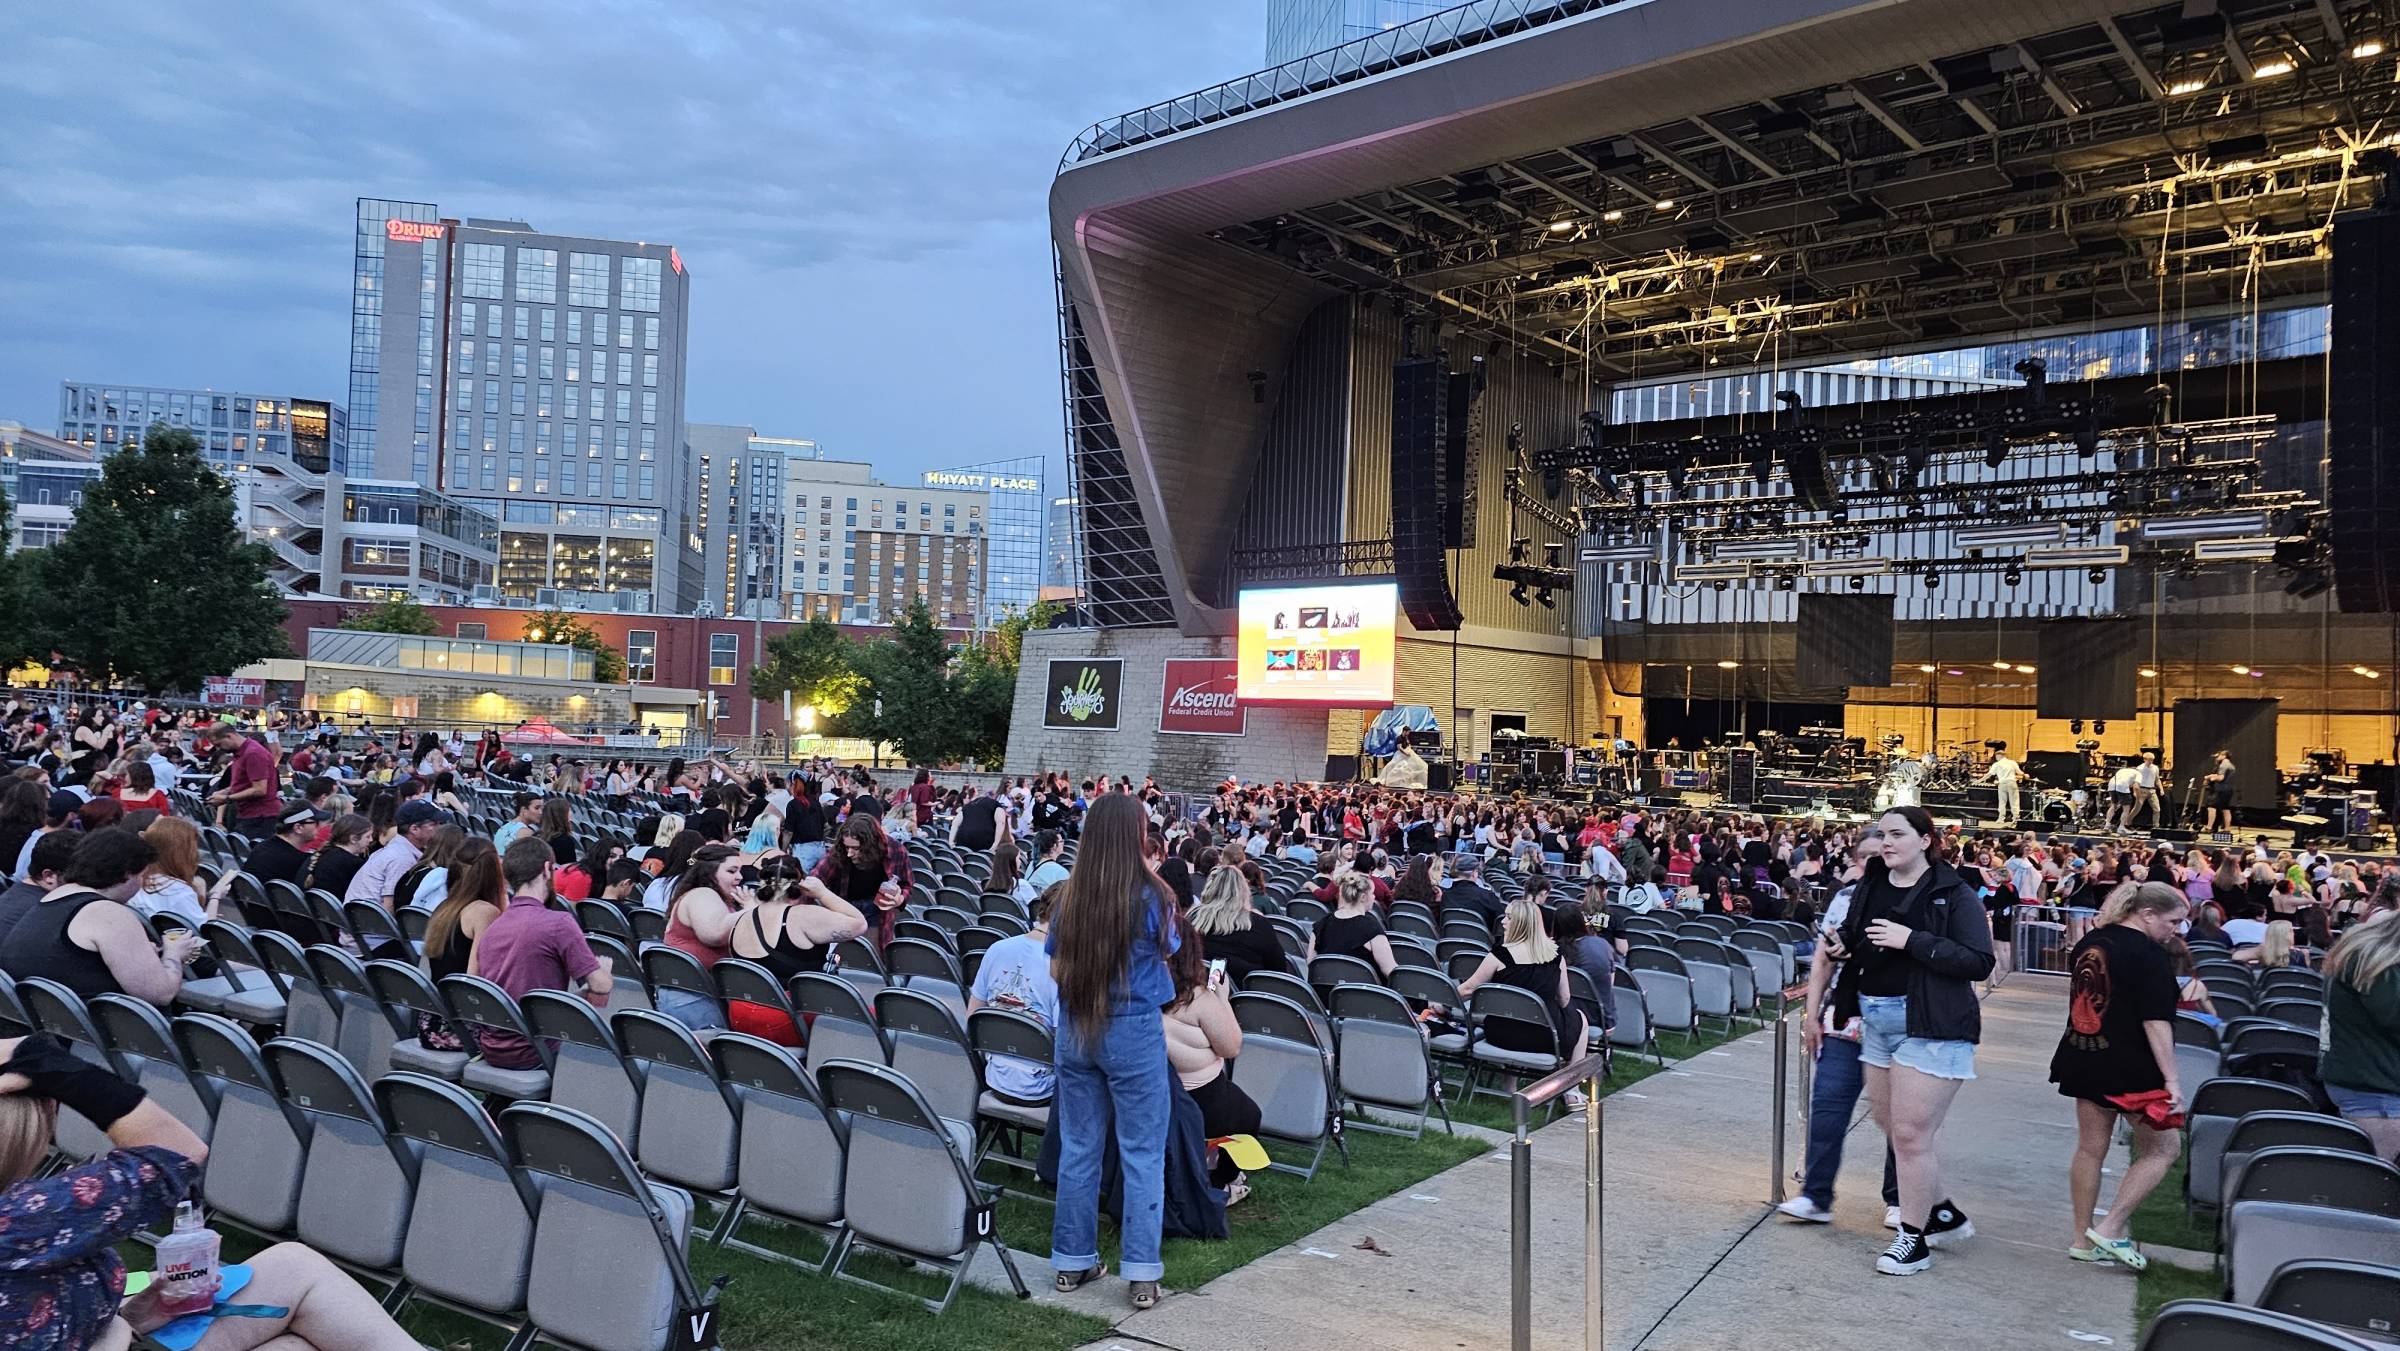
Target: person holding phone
<point>864,869</point>
<point>1201,1036</point>
<point>1839,1079</point>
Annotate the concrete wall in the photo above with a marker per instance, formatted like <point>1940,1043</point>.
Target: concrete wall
<point>1277,743</point>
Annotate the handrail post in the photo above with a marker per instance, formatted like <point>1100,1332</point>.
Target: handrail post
<point>1520,1232</point>
<point>1594,1321</point>
<point>1783,1058</point>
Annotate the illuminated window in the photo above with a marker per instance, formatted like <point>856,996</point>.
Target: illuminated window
<point>724,651</point>
<point>641,654</point>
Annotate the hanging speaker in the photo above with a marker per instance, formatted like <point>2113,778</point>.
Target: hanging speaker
<point>1420,492</point>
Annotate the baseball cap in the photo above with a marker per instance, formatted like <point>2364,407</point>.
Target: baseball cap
<point>64,803</point>
<point>416,812</point>
<point>300,815</point>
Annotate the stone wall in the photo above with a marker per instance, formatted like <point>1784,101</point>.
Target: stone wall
<point>1277,743</point>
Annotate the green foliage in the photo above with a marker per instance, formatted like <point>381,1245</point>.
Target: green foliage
<point>394,616</point>
<point>905,695</point>
<point>818,663</point>
<point>17,645</point>
<point>154,583</point>
<point>560,626</point>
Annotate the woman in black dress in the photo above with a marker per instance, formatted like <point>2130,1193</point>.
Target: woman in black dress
<point>1529,960</point>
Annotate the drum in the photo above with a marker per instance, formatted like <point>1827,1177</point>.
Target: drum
<point>2057,811</point>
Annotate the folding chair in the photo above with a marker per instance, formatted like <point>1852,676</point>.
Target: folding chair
<point>14,1020</point>
<point>244,990</point>
<point>2356,1297</point>
<point>927,969</point>
<point>309,1013</point>
<point>1020,1037</point>
<point>856,961</point>
<point>1713,995</point>
<point>256,1184</point>
<point>2207,1325</point>
<point>603,917</point>
<point>689,1133</point>
<point>666,968</point>
<point>359,1181</point>
<point>2296,1203</point>
<point>630,988</point>
<point>2306,1014</point>
<point>470,1224</point>
<point>588,1068</point>
<point>929,1046</point>
<point>1328,971</point>
<point>1506,1003</point>
<point>2208,1123</point>
<point>2251,1040</point>
<point>144,1043</point>
<point>842,1026</point>
<point>56,1009</point>
<point>2280,1129</point>
<point>2292,979</point>
<point>407,995</point>
<point>898,1195</point>
<point>487,1008</point>
<point>364,1030</point>
<point>1633,1028</point>
<point>1288,1072</point>
<point>782,1118</point>
<point>378,934</point>
<point>1382,1059</point>
<point>742,981</point>
<point>1666,983</point>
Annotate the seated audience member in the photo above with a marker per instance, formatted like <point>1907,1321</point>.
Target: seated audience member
<point>791,929</point>
<point>140,791</point>
<point>1015,975</point>
<point>428,880</point>
<point>415,825</point>
<point>83,934</point>
<point>1588,952</point>
<point>530,946</point>
<point>1201,1037</point>
<point>350,838</point>
<point>475,896</point>
<point>2274,949</point>
<point>1467,892</point>
<point>51,856</point>
<point>1049,870</point>
<point>64,1231</point>
<point>170,895</point>
<point>1353,929</point>
<point>583,877</point>
<point>284,856</point>
<point>1231,930</point>
<point>1528,960</point>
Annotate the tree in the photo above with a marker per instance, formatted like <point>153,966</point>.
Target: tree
<point>983,683</point>
<point>154,582</point>
<point>559,626</point>
<point>905,696</point>
<point>817,663</point>
<point>398,615</point>
<point>17,645</point>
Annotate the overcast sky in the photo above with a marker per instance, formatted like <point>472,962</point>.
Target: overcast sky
<point>858,188</point>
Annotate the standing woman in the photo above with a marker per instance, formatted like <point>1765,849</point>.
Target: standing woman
<point>2361,1068</point>
<point>1109,939</point>
<point>429,758</point>
<point>1921,942</point>
<point>2120,1040</point>
<point>803,827</point>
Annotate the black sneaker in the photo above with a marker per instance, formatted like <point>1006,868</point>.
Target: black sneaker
<point>1907,1256</point>
<point>1947,1225</point>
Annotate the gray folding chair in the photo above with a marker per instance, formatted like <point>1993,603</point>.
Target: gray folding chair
<point>2284,1129</point>
<point>1288,1072</point>
<point>930,1047</point>
<point>630,988</point>
<point>666,968</point>
<point>993,1033</point>
<point>1506,1003</point>
<point>2295,1203</point>
<point>470,1224</point>
<point>1382,1059</point>
<point>2208,1325</point>
<point>608,1266</point>
<point>843,1027</point>
<point>1713,978</point>
<point>359,1181</point>
<point>1666,982</point>
<point>309,1013</point>
<point>407,995</point>
<point>486,1007</point>
<point>243,990</point>
<point>365,1030</point>
<point>1326,972</point>
<point>928,969</point>
<point>2357,1297</point>
<point>58,1010</point>
<point>588,1068</point>
<point>689,1135</point>
<point>257,1184</point>
<point>144,1043</point>
<point>1633,1028</point>
<point>783,1119</point>
<point>2216,1105</point>
<point>909,1189</point>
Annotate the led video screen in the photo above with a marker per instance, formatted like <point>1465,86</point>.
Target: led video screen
<point>1329,645</point>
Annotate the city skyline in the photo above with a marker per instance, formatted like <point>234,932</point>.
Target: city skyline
<point>900,189</point>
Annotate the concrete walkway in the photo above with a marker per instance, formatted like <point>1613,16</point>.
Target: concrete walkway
<point>1695,1261</point>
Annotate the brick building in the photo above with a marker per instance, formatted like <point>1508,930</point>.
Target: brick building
<point>675,651</point>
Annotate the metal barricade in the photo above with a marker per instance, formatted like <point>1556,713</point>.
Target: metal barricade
<point>2039,938</point>
<point>1586,1074</point>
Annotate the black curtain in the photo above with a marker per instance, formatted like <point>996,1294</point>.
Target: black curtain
<point>2243,728</point>
<point>2089,669</point>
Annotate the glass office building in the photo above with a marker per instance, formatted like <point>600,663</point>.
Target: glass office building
<point>233,429</point>
<point>1013,548</point>
<point>1297,28</point>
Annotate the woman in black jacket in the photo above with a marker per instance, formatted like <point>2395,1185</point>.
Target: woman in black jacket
<point>1922,941</point>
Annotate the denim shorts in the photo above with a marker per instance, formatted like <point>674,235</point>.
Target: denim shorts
<point>2363,1104</point>
<point>1884,1041</point>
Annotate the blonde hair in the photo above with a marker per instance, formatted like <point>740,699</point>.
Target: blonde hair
<point>2363,955</point>
<point>1224,905</point>
<point>669,826</point>
<point>2276,948</point>
<point>1527,927</point>
<point>1354,889</point>
<point>26,1123</point>
<point>2146,898</point>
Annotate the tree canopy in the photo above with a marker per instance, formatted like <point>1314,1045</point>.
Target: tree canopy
<point>560,626</point>
<point>399,615</point>
<point>814,662</point>
<point>154,582</point>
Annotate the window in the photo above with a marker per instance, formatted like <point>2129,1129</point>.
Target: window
<point>524,328</point>
<point>486,271</point>
<point>491,396</point>
<point>549,325</point>
<point>466,321</point>
<point>649,482</point>
<point>650,334</point>
<point>624,406</point>
<point>587,281</point>
<point>624,330</point>
<point>548,363</point>
<point>624,368</point>
<point>467,630</point>
<point>641,654</point>
<point>574,366</point>
<point>516,397</point>
<point>574,327</point>
<point>649,444</point>
<point>574,399</point>
<point>517,366</point>
<point>466,395</point>
<point>569,479</point>
<point>624,438</point>
<point>638,290</point>
<point>649,406</point>
<point>650,370</point>
<point>537,274</point>
<point>852,504</point>
<point>617,480</point>
<point>724,653</point>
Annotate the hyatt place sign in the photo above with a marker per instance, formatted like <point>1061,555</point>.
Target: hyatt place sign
<point>999,483</point>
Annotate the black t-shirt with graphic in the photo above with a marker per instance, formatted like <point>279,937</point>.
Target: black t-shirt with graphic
<point>2120,980</point>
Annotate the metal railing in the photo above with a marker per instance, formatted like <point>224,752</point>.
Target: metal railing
<point>1779,1172</point>
<point>1585,1074</point>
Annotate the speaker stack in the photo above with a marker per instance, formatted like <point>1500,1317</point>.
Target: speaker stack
<point>2363,412</point>
<point>1421,428</point>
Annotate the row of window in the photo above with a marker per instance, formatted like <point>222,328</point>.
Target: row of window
<point>483,274</point>
<point>545,321</point>
<point>573,407</point>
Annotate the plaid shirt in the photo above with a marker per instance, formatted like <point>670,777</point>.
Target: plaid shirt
<point>834,869</point>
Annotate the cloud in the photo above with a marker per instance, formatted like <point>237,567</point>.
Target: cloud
<point>858,187</point>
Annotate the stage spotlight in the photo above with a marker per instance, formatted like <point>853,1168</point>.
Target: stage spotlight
<point>2013,575</point>
<point>1995,448</point>
<point>1517,594</point>
<point>2096,576</point>
<point>1916,510</point>
<point>1676,470</point>
<point>2075,727</point>
<point>1933,580</point>
<point>1858,583</point>
<point>1721,585</point>
<point>2099,726</point>
<point>1544,596</point>
<point>1785,581</point>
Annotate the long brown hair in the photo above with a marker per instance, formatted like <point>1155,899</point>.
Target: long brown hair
<point>1099,912</point>
<point>873,856</point>
<point>1006,864</point>
<point>474,876</point>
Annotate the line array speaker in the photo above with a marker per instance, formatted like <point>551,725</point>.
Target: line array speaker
<point>1462,455</point>
<point>1420,430</point>
<point>2363,412</point>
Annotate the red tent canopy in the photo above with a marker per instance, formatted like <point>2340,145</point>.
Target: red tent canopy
<point>542,732</point>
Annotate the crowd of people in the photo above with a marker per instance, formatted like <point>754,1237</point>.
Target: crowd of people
<point>1148,909</point>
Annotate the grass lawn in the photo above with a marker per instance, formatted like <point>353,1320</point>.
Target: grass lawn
<point>2161,1219</point>
<point>2160,1284</point>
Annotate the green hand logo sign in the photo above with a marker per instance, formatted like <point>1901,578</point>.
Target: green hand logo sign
<point>1082,700</point>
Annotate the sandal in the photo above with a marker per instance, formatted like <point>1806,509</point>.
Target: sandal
<point>1144,1293</point>
<point>2120,1250</point>
<point>1236,1190</point>
<point>1068,1282</point>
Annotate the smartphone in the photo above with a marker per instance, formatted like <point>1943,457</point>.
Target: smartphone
<point>1216,973</point>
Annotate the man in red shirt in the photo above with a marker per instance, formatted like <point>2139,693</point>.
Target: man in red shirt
<point>533,947</point>
<point>252,789</point>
